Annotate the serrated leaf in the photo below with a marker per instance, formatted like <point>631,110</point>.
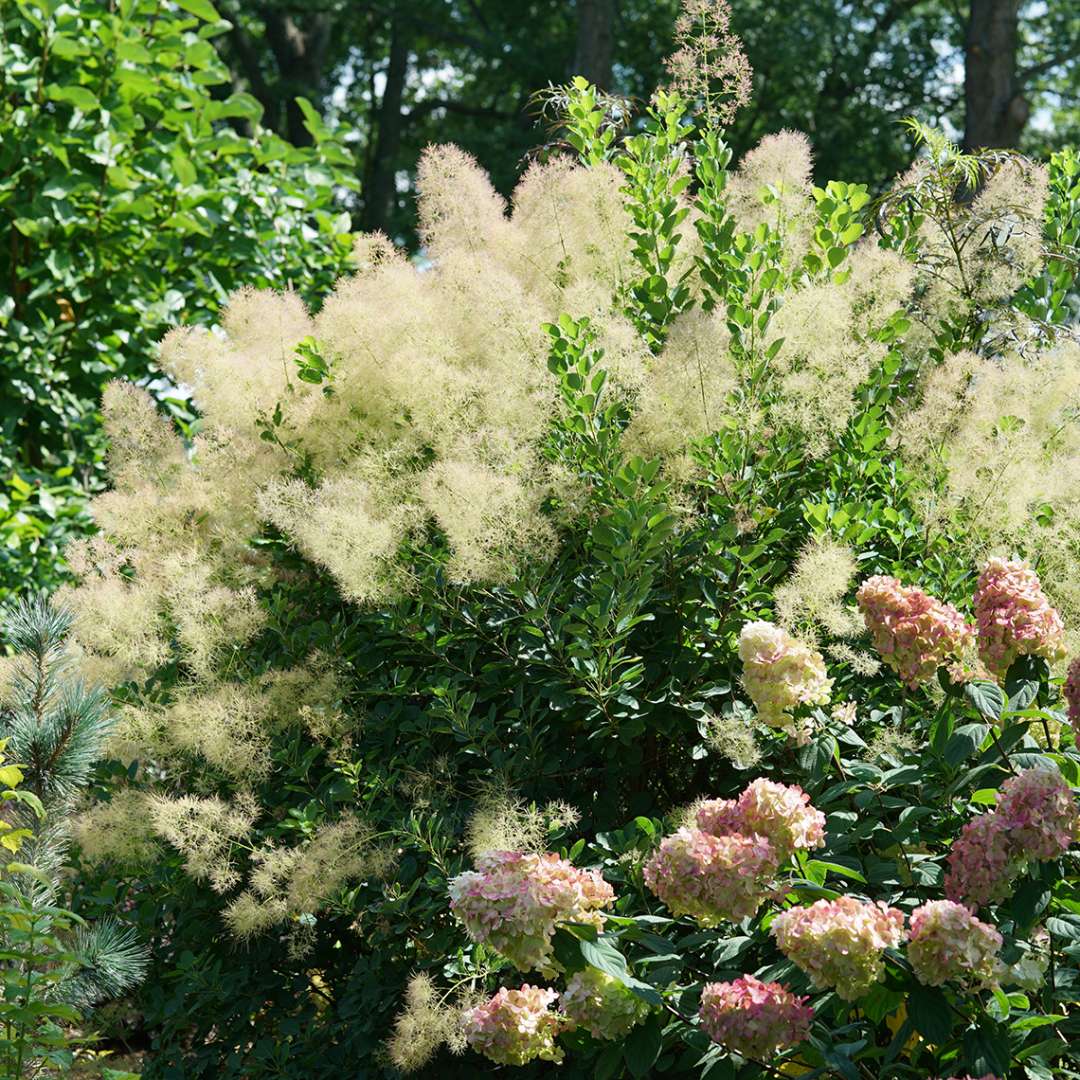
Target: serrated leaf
<point>987,697</point>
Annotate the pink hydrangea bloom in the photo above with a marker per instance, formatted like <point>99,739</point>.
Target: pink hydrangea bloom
<point>711,878</point>
<point>515,1026</point>
<point>513,902</point>
<point>779,812</point>
<point>948,942</point>
<point>1072,696</point>
<point>982,862</point>
<point>781,673</point>
<point>913,632</point>
<point>1015,618</point>
<point>720,817</point>
<point>1038,811</point>
<point>839,943</point>
<point>601,1004</point>
<point>754,1018</point>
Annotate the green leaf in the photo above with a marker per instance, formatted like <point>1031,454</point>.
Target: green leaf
<point>986,1049</point>
<point>78,96</point>
<point>11,775</point>
<point>201,9</point>
<point>929,1011</point>
<point>964,742</point>
<point>1064,926</point>
<point>987,697</point>
<point>643,1046</point>
<point>604,956</point>
<point>1029,900</point>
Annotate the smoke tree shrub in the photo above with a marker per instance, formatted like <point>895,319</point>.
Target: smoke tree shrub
<point>579,514</point>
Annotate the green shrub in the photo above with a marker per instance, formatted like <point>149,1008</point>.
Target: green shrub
<point>129,204</point>
<point>534,549</point>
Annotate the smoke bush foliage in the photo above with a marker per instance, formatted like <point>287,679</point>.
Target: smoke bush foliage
<point>456,571</point>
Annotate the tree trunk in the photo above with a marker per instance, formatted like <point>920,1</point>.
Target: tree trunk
<point>996,110</point>
<point>382,173</point>
<point>595,41</point>
<point>300,55</point>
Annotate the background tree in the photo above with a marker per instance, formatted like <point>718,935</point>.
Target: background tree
<point>127,204</point>
<point>403,73</point>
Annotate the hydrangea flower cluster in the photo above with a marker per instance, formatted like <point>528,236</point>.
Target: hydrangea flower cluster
<point>601,1004</point>
<point>839,943</point>
<point>982,862</point>
<point>988,1076</point>
<point>948,942</point>
<point>515,1026</point>
<point>1036,818</point>
<point>711,878</point>
<point>1039,812</point>
<point>1072,696</point>
<point>1014,616</point>
<point>754,1018</point>
<point>514,901</point>
<point>779,812</point>
<point>914,632</point>
<point>780,673</point>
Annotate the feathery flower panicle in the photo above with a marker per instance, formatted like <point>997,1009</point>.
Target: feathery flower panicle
<point>948,942</point>
<point>773,186</point>
<point>489,516</point>
<point>205,832</point>
<point>515,1026</point>
<point>346,525</point>
<point>1008,215</point>
<point>782,814</point>
<point>1039,812</point>
<point>838,943</point>
<point>814,593</point>
<point>754,1018</point>
<point>983,862</point>
<point>913,632</point>
<point>572,228</point>
<point>514,901</point>
<point>687,389</point>
<point>822,361</point>
<point>781,673</point>
<point>601,1004</point>
<point>459,209</point>
<point>504,822</point>
<point>289,881</point>
<point>427,1022</point>
<point>1014,616</point>
<point>731,736</point>
<point>709,65</point>
<point>997,470</point>
<point>1071,693</point>
<point>713,879</point>
<point>119,830</point>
